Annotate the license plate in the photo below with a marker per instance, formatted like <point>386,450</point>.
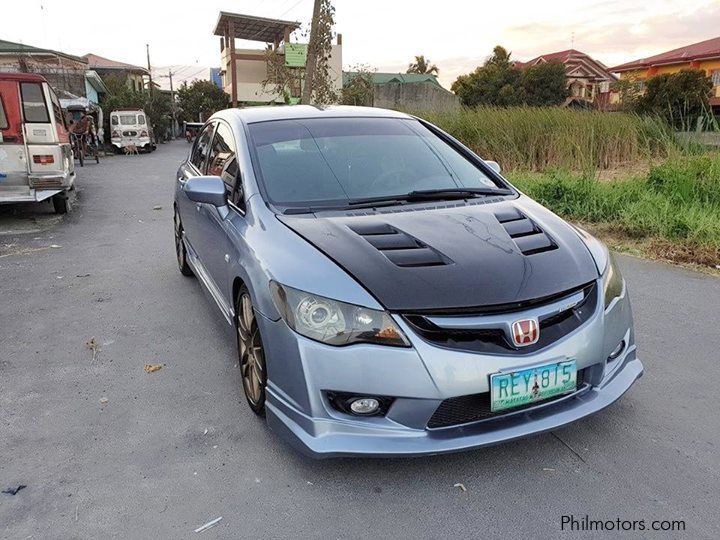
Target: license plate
<point>509,390</point>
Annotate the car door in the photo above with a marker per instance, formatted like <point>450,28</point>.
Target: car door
<point>194,166</point>
<point>216,248</point>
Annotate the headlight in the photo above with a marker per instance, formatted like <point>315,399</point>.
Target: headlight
<point>333,322</point>
<point>613,282</point>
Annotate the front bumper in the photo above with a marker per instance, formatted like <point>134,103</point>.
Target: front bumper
<point>301,372</point>
<point>327,439</point>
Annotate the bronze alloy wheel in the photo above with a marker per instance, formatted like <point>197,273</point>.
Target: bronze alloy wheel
<point>251,353</point>
<point>180,252</point>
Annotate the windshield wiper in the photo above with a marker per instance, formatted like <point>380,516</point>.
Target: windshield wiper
<point>429,195</point>
<point>454,193</point>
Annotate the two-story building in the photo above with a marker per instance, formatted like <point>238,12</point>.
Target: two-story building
<point>704,56</point>
<point>135,76</point>
<point>244,71</point>
<point>588,80</point>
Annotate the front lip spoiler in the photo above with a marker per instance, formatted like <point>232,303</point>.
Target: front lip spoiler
<point>412,443</point>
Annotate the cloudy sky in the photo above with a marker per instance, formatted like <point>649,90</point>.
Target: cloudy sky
<point>457,35</point>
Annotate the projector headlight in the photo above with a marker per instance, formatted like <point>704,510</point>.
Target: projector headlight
<point>334,322</point>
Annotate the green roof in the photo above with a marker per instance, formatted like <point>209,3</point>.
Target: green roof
<point>385,78</point>
<point>12,47</point>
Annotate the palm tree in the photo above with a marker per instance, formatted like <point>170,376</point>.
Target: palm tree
<point>423,66</point>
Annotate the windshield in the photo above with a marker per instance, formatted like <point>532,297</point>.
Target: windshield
<point>334,160</point>
<point>127,119</point>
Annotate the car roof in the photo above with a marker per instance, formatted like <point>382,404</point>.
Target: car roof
<point>293,112</point>
<point>23,77</point>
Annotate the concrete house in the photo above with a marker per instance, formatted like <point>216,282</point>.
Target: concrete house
<point>589,81</point>
<point>135,76</point>
<point>69,75</point>
<point>244,70</point>
<point>704,55</point>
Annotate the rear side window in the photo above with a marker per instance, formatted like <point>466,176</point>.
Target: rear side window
<point>3,117</point>
<point>114,120</point>
<point>223,162</point>
<point>202,149</point>
<point>141,118</point>
<point>33,101</point>
<point>57,110</point>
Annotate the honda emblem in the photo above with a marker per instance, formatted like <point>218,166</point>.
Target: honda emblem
<point>525,332</point>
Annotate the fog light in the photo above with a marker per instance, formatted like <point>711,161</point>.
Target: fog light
<point>618,350</point>
<point>364,406</point>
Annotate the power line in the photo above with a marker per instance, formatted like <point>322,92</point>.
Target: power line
<point>291,7</point>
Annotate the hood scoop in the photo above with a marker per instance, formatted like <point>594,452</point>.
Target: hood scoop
<point>399,247</point>
<point>527,235</point>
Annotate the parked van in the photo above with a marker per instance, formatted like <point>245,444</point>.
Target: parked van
<point>130,127</point>
<point>36,160</point>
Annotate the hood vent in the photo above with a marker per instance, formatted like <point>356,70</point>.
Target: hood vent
<point>399,247</point>
<point>528,236</point>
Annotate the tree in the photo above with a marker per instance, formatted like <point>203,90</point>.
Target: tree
<point>493,83</point>
<point>423,66</point>
<point>319,87</point>
<point>544,84</point>
<point>200,100</point>
<point>680,98</point>
<point>359,88</point>
<point>500,83</point>
<point>629,90</point>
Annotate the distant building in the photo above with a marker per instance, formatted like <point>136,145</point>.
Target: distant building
<point>243,71</point>
<point>134,75</point>
<point>216,77</point>
<point>69,75</point>
<point>589,81</point>
<point>407,91</point>
<point>704,56</point>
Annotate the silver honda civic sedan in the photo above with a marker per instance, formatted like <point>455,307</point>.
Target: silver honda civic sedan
<point>391,293</point>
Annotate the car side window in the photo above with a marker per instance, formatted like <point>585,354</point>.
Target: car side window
<point>223,160</point>
<point>202,148</point>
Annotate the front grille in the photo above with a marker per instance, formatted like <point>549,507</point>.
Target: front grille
<point>494,341</point>
<point>476,407</point>
<point>129,133</point>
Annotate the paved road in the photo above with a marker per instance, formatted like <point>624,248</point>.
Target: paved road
<point>174,449</point>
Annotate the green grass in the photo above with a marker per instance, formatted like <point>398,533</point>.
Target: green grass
<point>678,201</point>
<point>536,138</point>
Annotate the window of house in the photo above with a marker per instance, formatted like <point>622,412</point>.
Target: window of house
<point>222,161</point>
<point>716,77</point>
<point>202,148</point>
<point>604,87</point>
<point>33,101</point>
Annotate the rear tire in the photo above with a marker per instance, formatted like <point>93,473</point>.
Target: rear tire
<point>251,353</point>
<point>60,203</point>
<point>180,251</point>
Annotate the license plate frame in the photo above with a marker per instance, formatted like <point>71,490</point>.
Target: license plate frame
<point>512,389</point>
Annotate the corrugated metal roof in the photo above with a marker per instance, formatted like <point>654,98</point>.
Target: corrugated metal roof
<point>12,47</point>
<point>703,50</point>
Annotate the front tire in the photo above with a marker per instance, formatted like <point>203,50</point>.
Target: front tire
<point>180,251</point>
<point>251,354</point>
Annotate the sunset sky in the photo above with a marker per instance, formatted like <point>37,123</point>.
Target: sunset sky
<point>457,35</point>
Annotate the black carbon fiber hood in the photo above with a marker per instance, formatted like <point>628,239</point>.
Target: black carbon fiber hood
<point>460,256</point>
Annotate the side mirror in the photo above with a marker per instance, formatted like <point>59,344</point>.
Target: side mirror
<point>206,189</point>
<point>494,165</point>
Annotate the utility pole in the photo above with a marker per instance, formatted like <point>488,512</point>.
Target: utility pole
<point>147,49</point>
<point>172,104</point>
<point>311,61</point>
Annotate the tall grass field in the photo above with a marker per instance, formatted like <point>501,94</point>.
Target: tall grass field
<point>535,138</point>
<point>676,205</point>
